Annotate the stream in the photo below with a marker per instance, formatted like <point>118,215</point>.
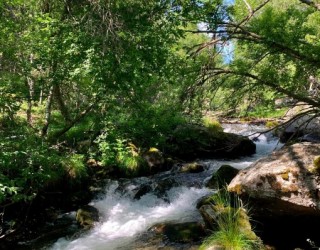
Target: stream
<point>127,214</point>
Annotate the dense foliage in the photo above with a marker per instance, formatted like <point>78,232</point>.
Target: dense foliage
<point>275,53</point>
<point>108,79</point>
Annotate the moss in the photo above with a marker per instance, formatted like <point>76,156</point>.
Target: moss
<point>193,167</point>
<point>315,167</point>
<point>245,226</point>
<point>87,216</point>
<point>153,150</point>
<point>236,189</point>
<point>272,124</point>
<point>316,164</point>
<point>212,125</point>
<point>285,176</point>
<point>233,229</point>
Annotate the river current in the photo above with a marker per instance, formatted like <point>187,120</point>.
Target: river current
<point>124,218</point>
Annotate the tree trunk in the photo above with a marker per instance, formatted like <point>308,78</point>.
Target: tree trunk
<point>63,108</point>
<point>41,96</point>
<point>47,112</point>
<point>30,84</point>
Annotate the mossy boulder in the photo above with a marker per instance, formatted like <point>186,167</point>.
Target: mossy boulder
<point>283,183</point>
<point>192,167</point>
<point>154,160</point>
<point>212,214</point>
<point>222,177</point>
<point>87,216</point>
<point>191,142</point>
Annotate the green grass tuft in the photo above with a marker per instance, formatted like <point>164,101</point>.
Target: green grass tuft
<point>212,125</point>
<point>233,227</point>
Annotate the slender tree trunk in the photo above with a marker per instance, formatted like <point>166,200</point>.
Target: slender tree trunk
<point>63,108</point>
<point>47,112</point>
<point>41,96</point>
<point>30,84</point>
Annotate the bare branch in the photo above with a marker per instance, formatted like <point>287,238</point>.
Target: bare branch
<point>248,7</point>
<point>253,12</point>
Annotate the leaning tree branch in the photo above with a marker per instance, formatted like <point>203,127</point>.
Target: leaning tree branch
<point>252,12</point>
<point>280,48</point>
<point>78,118</point>
<point>276,87</point>
<point>282,125</point>
<point>234,31</point>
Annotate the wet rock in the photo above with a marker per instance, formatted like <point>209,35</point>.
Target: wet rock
<point>162,186</point>
<point>193,167</point>
<point>209,216</point>
<point>154,159</point>
<point>206,200</point>
<point>286,182</point>
<point>181,232</point>
<point>142,190</point>
<point>171,236</point>
<point>44,235</point>
<point>212,214</point>
<point>222,177</point>
<point>87,216</point>
<point>289,134</point>
<point>312,137</point>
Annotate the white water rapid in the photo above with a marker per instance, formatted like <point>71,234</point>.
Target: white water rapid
<point>124,219</point>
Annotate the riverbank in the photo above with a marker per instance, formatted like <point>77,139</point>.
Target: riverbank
<point>128,208</point>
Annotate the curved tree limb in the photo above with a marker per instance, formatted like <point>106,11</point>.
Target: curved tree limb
<point>274,86</point>
<point>78,118</point>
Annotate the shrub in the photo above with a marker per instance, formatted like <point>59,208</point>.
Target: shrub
<point>27,164</point>
<point>74,166</point>
<point>120,153</point>
<point>234,230</point>
<point>212,125</point>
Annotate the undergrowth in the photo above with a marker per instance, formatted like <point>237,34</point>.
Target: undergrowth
<point>233,232</point>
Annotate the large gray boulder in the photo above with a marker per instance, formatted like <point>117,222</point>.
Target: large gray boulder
<point>287,182</point>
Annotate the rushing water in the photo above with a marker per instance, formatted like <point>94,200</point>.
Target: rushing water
<point>124,219</point>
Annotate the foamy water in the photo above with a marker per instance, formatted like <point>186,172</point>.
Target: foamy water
<point>123,218</point>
